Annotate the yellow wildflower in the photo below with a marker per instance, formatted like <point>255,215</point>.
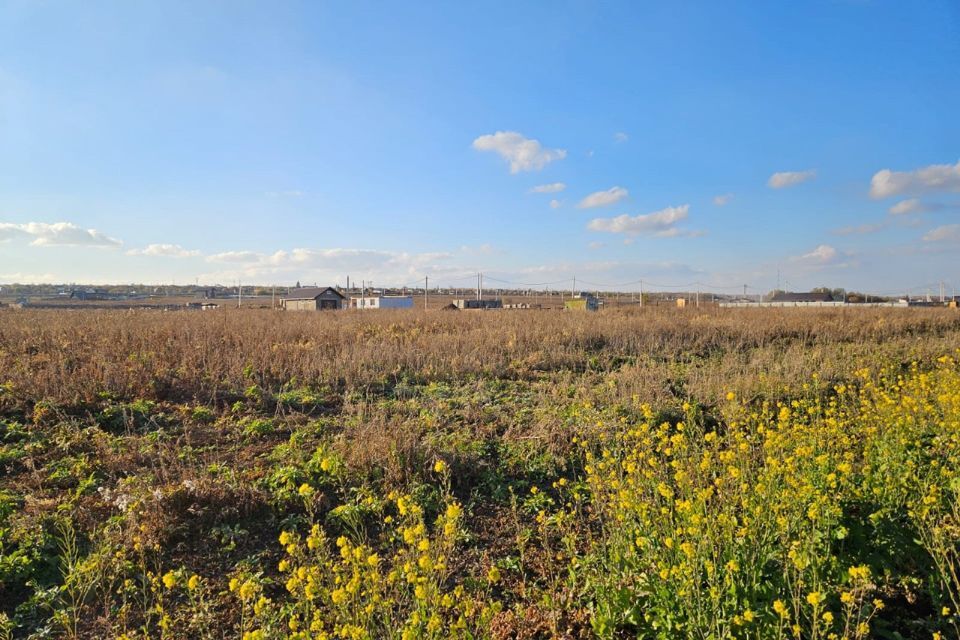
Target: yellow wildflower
<point>169,579</point>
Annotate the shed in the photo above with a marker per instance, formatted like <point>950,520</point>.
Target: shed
<point>485,303</point>
<point>313,299</point>
<point>582,302</point>
<point>382,302</point>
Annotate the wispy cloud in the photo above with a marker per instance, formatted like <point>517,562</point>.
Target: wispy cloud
<point>723,199</point>
<point>914,205</point>
<point>555,187</point>
<point>485,249</point>
<point>661,223</point>
<point>523,154</point>
<point>555,204</point>
<point>946,233</point>
<point>860,229</point>
<point>166,250</point>
<point>57,234</point>
<point>784,179</point>
<point>605,271</point>
<point>903,207</point>
<point>932,178</point>
<point>596,199</point>
<point>620,137</point>
<point>596,244</point>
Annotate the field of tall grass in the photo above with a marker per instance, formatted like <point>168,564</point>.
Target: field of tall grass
<point>769,473</point>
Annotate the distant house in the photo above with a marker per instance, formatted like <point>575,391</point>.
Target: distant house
<point>788,296</point>
<point>381,302</point>
<point>472,303</point>
<point>203,306</point>
<point>313,299</point>
<point>93,294</point>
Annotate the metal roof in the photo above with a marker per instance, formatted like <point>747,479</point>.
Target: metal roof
<point>311,293</point>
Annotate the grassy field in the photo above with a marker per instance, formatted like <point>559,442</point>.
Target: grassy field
<point>653,473</point>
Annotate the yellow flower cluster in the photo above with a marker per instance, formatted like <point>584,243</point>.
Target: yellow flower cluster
<point>734,526</point>
<point>348,589</point>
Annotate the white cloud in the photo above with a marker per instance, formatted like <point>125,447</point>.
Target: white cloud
<point>936,177</point>
<point>57,234</point>
<point>523,154</point>
<point>555,204</point>
<point>612,195</point>
<point>912,205</point>
<point>555,187</point>
<point>659,223</point>
<point>332,265</point>
<point>28,278</point>
<point>948,232</point>
<point>166,250</point>
<point>784,179</point>
<point>236,257</point>
<point>722,199</point>
<point>824,254</point>
<point>620,136</point>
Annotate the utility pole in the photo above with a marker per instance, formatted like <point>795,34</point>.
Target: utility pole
<point>426,288</point>
<point>641,294</point>
<point>273,297</point>
<point>745,287</point>
<point>573,291</point>
<point>239,294</point>
<point>698,297</point>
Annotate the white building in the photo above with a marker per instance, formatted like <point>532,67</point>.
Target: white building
<point>382,302</point>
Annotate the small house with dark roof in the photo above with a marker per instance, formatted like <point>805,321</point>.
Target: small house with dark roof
<point>313,299</point>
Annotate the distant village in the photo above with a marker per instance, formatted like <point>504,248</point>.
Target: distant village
<point>335,298</point>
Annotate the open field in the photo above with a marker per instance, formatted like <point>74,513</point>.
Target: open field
<point>651,473</point>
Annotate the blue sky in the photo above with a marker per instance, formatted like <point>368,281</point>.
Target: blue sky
<point>674,142</point>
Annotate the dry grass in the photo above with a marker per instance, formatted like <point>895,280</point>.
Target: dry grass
<point>72,358</point>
